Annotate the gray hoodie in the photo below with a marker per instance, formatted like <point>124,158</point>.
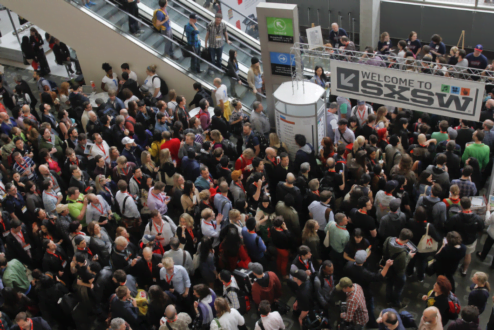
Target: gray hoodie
<point>399,254</point>
<point>391,224</point>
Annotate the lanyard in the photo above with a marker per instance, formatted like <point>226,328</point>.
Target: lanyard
<point>169,280</point>
<point>21,166</point>
<point>100,211</point>
<point>21,236</point>
<point>54,196</point>
<point>342,228</point>
<point>330,283</point>
<point>363,114</point>
<point>139,182</point>
<point>101,148</point>
<point>54,254</point>
<point>125,171</point>
<point>86,250</point>
<point>210,224</point>
<point>150,266</point>
<point>239,184</point>
<point>159,231</point>
<point>191,232</point>
<point>303,263</point>
<point>3,224</point>
<point>76,162</point>
<point>158,198</point>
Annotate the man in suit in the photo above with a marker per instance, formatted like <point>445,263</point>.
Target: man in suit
<point>18,244</point>
<point>62,57</point>
<point>147,269</point>
<point>282,169</point>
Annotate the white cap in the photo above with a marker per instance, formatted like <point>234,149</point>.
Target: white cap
<point>127,140</point>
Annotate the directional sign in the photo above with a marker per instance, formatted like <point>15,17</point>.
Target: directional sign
<point>280,29</point>
<point>423,92</point>
<point>281,63</point>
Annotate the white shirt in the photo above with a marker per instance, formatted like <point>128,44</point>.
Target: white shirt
<point>361,115</point>
<point>178,258</point>
<point>272,321</point>
<point>167,230</point>
<point>230,320</point>
<point>103,149</point>
<point>211,229</point>
<point>84,120</point>
<point>131,210</point>
<point>132,98</point>
<point>153,84</point>
<point>221,94</point>
<point>133,75</point>
<point>110,83</point>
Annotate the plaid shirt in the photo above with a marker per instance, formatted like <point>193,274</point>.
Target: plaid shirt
<point>356,308</point>
<point>21,168</point>
<point>216,34</point>
<point>467,187</point>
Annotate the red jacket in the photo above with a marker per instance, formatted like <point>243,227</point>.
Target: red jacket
<point>271,293</point>
<point>173,145</point>
<point>241,260</point>
<point>129,124</point>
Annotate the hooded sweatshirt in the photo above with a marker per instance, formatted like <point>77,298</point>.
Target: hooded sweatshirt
<point>391,224</point>
<point>440,176</point>
<point>271,293</point>
<point>302,156</point>
<point>398,253</point>
<point>467,225</point>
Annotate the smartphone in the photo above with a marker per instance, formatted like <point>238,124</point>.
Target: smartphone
<point>445,241</point>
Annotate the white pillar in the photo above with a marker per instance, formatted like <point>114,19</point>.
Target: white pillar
<point>370,15</point>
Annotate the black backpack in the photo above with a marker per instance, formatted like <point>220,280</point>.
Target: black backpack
<point>429,206</point>
<point>263,144</point>
<point>280,150</point>
<point>20,100</point>
<point>327,183</point>
<point>163,86</point>
<point>243,300</point>
<point>230,148</point>
<point>206,95</point>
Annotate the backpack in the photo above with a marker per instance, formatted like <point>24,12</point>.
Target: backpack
<point>163,86</point>
<point>386,255</point>
<point>327,183</point>
<point>263,144</point>
<point>453,209</point>
<point>53,85</point>
<point>155,21</point>
<point>206,96</point>
<point>230,148</point>
<point>280,150</point>
<point>429,206</point>
<point>454,306</point>
<point>243,300</point>
<point>20,100</point>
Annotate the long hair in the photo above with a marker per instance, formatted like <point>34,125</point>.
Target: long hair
<point>381,115</point>
<point>231,55</point>
<point>205,248</point>
<point>328,146</point>
<point>165,156</point>
<point>256,69</point>
<point>150,165</point>
<point>323,76</point>
<point>482,279</point>
<point>97,183</point>
<point>231,243</point>
<point>158,297</point>
<point>405,165</point>
<point>309,230</point>
<point>358,143</point>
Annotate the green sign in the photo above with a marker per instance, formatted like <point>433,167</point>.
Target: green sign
<point>280,29</point>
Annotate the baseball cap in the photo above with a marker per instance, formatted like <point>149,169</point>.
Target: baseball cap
<point>342,121</point>
<point>479,48</point>
<point>360,256</point>
<point>148,238</point>
<point>343,108</point>
<point>62,207</point>
<point>452,133</point>
<point>256,268</point>
<point>345,282</point>
<point>360,102</point>
<point>300,275</point>
<point>193,16</point>
<point>395,204</point>
<point>127,140</point>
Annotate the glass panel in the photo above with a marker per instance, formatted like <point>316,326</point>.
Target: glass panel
<point>457,2</point>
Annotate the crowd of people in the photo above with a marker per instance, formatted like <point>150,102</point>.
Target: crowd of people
<point>133,214</point>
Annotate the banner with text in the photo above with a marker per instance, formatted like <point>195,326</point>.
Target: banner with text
<point>422,92</point>
<point>242,14</point>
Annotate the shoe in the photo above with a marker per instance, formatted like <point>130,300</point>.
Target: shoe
<point>92,3</point>
<point>173,57</point>
<point>479,255</point>
<point>86,5</point>
<point>463,273</point>
<point>421,281</point>
<point>199,71</point>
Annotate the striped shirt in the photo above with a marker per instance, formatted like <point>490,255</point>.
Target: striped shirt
<point>216,33</point>
<point>25,166</point>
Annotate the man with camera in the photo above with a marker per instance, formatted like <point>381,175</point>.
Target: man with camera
<point>305,302</point>
<point>354,311</point>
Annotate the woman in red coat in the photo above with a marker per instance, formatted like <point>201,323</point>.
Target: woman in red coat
<point>233,254</point>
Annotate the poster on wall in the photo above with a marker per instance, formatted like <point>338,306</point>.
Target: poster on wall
<point>287,126</point>
<point>242,14</point>
<point>280,29</point>
<point>321,127</point>
<point>314,37</point>
<point>281,63</point>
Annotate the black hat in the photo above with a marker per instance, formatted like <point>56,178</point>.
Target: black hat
<point>193,16</point>
<point>254,60</point>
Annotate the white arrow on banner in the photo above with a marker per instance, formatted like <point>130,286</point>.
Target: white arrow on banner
<point>346,81</point>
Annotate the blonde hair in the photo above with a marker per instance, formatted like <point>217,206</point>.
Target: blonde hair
<point>176,176</point>
<point>248,153</point>
<point>64,88</point>
<point>273,139</point>
<point>206,213</point>
<point>482,279</point>
<point>233,214</point>
<point>152,68</point>
<point>359,142</point>
<point>454,49</point>
<point>204,195</point>
<point>150,165</point>
<point>165,156</point>
<point>309,230</point>
<point>121,160</point>
<point>188,219</point>
<point>384,35</point>
<point>455,190</point>
<point>168,262</point>
<point>172,94</point>
<point>221,305</point>
<point>381,115</point>
<point>216,136</point>
<point>97,183</point>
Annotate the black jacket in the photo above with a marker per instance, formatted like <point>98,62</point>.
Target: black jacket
<point>16,251</point>
<point>418,230</point>
<point>468,225</point>
<point>61,183</point>
<point>101,248</point>
<point>83,185</point>
<point>145,278</point>
<point>121,260</point>
<point>126,311</point>
<point>221,125</point>
<point>55,263</point>
<point>134,88</point>
<point>231,70</point>
<point>38,324</point>
<point>61,53</point>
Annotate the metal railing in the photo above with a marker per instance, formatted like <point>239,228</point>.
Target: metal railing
<point>392,62</point>
<point>471,4</point>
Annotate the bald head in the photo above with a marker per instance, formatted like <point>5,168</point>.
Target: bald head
<point>330,162</point>
<point>270,152</point>
<point>170,312</point>
<point>43,169</point>
<point>26,109</point>
<point>92,198</point>
<point>124,112</point>
<point>290,178</point>
<point>488,124</point>
<point>430,314</point>
<point>147,253</point>
<point>92,115</point>
<point>422,139</point>
<point>489,104</point>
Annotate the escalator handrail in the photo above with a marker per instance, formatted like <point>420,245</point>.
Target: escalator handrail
<point>229,36</point>
<point>171,40</point>
<point>249,88</point>
<point>204,27</point>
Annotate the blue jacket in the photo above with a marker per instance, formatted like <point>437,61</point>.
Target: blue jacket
<point>190,169</point>
<point>302,156</point>
<point>126,311</point>
<point>134,155</point>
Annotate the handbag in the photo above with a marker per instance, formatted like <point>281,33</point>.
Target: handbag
<point>427,243</point>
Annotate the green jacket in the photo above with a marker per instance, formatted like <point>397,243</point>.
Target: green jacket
<point>75,209</point>
<point>478,150</point>
<point>15,276</point>
<point>49,145</point>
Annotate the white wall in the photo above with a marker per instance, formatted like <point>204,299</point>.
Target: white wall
<point>95,43</point>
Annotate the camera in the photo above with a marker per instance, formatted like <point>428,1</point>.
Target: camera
<point>343,307</point>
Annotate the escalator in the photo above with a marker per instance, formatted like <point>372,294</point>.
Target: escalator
<point>114,14</point>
